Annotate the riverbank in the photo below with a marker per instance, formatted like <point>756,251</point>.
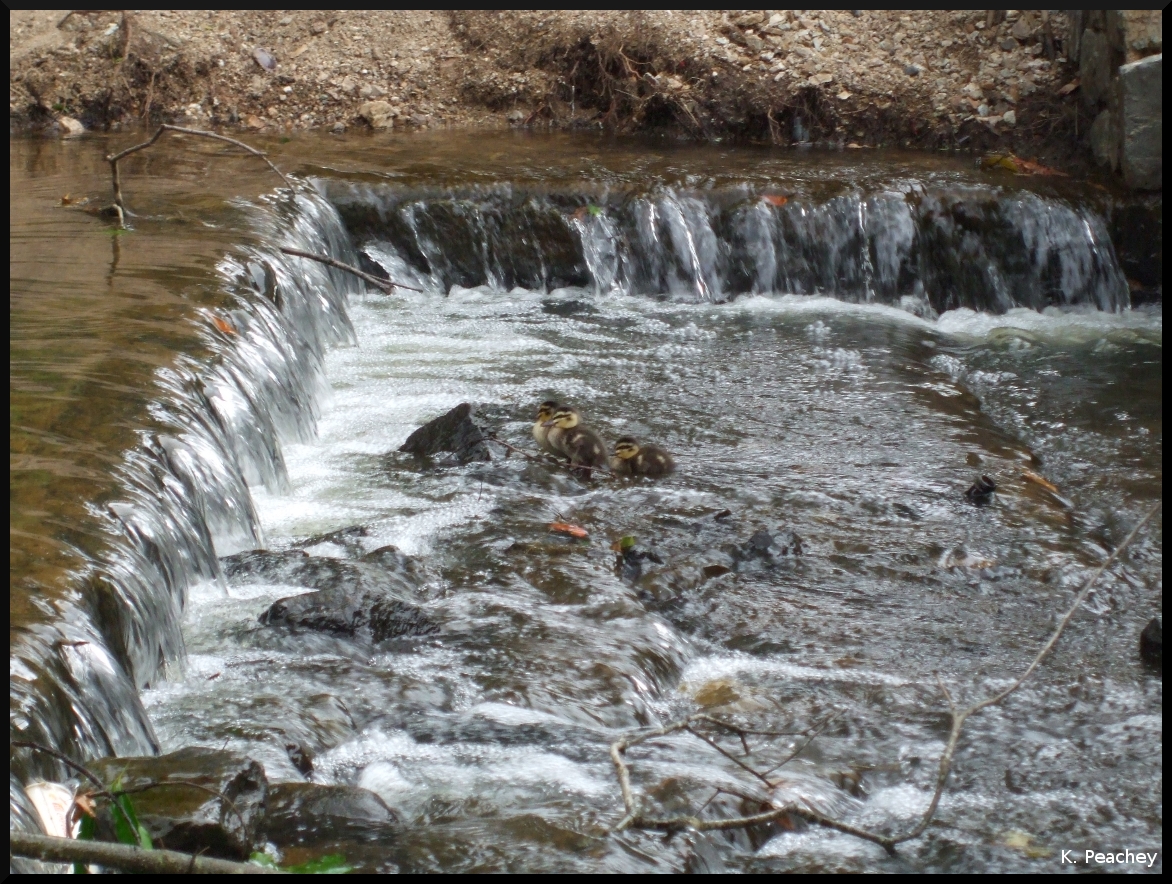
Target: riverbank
<point>928,80</point>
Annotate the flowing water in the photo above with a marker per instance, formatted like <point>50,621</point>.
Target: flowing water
<point>832,347</point>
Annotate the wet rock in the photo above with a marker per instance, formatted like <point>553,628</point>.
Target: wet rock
<point>1103,143</point>
<point>516,117</point>
<point>368,265</point>
<point>360,607</point>
<point>981,491</point>
<point>454,432</point>
<point>1151,649</point>
<point>379,114</point>
<point>305,813</point>
<point>765,548</point>
<point>349,539</point>
<point>1138,103</point>
<point>300,757</point>
<point>629,563</point>
<point>391,558</point>
<point>180,816</point>
<point>572,307</point>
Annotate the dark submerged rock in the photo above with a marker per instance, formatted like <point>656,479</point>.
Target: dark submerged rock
<point>180,816</point>
<point>981,491</point>
<point>1151,649</point>
<point>454,432</point>
<point>304,813</point>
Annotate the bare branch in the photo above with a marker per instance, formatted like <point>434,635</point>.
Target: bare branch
<point>126,858</point>
<point>633,817</point>
<point>386,286</point>
<point>730,756</point>
<point>113,160</point>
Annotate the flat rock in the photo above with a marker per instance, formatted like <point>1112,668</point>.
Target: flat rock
<point>181,813</point>
<point>304,813</point>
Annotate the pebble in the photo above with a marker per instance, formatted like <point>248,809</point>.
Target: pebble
<point>1010,118</point>
<point>912,70</point>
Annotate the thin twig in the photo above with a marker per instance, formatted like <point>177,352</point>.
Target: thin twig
<point>538,459</point>
<point>102,789</point>
<point>730,756</point>
<point>801,748</point>
<point>387,286</point>
<point>634,818</point>
<point>126,858</point>
<point>113,159</point>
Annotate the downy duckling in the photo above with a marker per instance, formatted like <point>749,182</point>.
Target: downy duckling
<point>632,459</point>
<point>581,445</point>
<point>545,412</point>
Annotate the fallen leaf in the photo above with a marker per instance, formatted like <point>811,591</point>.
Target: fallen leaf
<point>1070,87</point>
<point>85,804</point>
<point>579,213</point>
<point>572,530</point>
<point>1031,476</point>
<point>775,200</point>
<point>1029,167</point>
<point>223,325</point>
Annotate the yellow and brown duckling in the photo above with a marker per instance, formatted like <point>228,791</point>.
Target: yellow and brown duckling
<point>545,412</point>
<point>632,459</point>
<point>568,437</point>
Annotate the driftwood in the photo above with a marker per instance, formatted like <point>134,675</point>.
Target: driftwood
<point>387,286</point>
<point>634,818</point>
<point>125,858</point>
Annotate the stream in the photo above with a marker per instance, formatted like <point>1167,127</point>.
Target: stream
<point>833,347</point>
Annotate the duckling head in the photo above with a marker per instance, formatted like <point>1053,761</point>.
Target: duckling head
<point>546,410</point>
<point>565,418</point>
<point>626,447</point>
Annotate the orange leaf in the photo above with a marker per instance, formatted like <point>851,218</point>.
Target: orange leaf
<point>1032,168</point>
<point>579,213</point>
<point>1031,476</point>
<point>566,528</point>
<point>774,200</point>
<point>223,325</point>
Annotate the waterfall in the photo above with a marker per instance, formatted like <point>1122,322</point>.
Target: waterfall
<point>186,498</point>
<point>981,247</point>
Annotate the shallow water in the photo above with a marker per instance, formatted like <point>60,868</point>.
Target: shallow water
<point>857,426</point>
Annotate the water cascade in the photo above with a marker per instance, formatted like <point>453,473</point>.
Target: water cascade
<point>852,419</point>
<point>942,247</point>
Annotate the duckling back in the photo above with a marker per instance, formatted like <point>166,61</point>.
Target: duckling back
<point>583,447</point>
<point>652,461</point>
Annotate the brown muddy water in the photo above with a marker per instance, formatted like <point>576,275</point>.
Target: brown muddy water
<point>835,346</point>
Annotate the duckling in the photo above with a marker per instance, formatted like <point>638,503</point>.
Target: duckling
<point>632,459</point>
<point>545,412</point>
<point>582,446</point>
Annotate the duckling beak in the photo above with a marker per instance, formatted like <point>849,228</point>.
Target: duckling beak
<point>550,423</point>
